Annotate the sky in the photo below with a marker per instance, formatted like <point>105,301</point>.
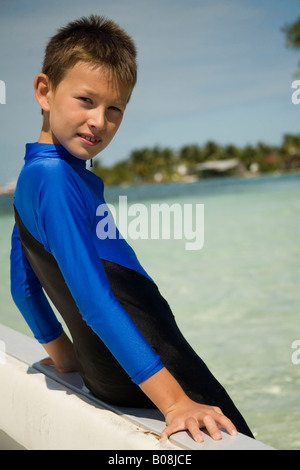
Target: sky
<point>208,70</point>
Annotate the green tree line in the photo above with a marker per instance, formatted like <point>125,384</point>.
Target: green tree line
<point>157,164</point>
<point>292,37</point>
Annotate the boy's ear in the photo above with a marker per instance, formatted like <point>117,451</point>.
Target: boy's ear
<point>42,91</point>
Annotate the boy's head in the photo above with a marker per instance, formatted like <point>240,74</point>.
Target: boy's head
<point>87,78</point>
<point>96,41</point>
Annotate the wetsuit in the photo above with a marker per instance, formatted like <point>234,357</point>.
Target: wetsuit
<point>122,328</point>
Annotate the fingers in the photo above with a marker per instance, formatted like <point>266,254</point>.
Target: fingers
<point>212,427</point>
<point>193,428</point>
<point>225,423</point>
<point>212,420</point>
<point>190,425</point>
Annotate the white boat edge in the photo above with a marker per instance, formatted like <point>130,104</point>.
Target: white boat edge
<point>44,410</point>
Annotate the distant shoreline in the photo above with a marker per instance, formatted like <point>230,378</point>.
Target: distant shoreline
<point>9,188</point>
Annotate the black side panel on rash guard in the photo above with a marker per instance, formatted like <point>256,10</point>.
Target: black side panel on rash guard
<point>101,372</point>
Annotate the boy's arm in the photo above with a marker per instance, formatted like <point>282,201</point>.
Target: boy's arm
<point>62,354</point>
<point>182,413</point>
<point>29,297</point>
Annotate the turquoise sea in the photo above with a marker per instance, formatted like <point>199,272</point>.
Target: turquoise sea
<point>237,300</point>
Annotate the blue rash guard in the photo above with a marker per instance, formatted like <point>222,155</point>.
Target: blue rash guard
<point>56,201</point>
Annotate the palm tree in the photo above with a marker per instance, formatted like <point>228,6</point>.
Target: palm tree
<point>292,34</point>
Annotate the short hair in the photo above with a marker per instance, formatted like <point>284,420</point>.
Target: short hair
<point>95,40</point>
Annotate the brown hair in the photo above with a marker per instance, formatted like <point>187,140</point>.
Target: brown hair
<point>95,40</point>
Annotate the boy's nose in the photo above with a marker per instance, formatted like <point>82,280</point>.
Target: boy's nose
<point>97,120</point>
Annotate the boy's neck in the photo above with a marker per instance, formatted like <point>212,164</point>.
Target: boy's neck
<point>46,136</point>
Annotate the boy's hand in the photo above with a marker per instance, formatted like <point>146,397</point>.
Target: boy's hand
<point>191,416</point>
<point>64,368</point>
<point>180,412</point>
<point>62,354</point>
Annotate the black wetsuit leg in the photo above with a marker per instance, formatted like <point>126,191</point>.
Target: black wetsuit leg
<point>153,316</point>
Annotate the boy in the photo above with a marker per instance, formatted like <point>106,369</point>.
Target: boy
<point>126,344</point>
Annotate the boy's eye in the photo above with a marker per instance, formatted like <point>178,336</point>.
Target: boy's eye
<point>114,108</point>
<point>85,100</point>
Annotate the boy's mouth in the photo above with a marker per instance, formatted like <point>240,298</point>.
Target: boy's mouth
<point>90,139</point>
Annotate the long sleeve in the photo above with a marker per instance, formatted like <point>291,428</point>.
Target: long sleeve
<point>29,296</point>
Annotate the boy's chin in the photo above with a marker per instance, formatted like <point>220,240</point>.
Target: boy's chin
<point>87,153</point>
<point>82,154</point>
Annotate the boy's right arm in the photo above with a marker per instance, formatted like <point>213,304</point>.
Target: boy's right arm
<point>29,297</point>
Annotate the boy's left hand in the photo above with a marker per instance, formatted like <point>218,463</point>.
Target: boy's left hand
<point>191,416</point>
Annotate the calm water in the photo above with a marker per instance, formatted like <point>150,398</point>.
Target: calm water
<point>236,300</point>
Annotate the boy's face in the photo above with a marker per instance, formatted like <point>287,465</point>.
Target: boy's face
<point>85,110</point>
